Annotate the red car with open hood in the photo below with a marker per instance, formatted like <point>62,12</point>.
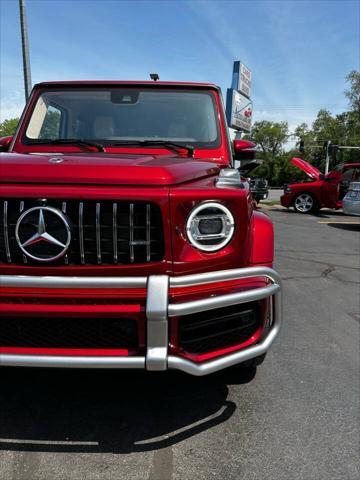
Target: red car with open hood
<point>127,237</point>
<point>320,190</point>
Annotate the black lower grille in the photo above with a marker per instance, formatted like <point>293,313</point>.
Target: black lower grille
<point>56,332</point>
<point>102,232</point>
<point>212,330</point>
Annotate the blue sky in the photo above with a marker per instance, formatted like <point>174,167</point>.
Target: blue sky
<point>299,51</point>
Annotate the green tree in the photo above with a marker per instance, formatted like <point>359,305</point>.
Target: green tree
<point>353,94</point>
<point>8,127</point>
<point>51,126</point>
<point>270,138</point>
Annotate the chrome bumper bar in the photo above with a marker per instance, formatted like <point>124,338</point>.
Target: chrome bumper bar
<point>158,311</point>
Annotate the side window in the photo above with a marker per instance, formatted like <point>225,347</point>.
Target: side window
<point>356,176</point>
<point>45,121</point>
<point>51,124</point>
<point>347,175</point>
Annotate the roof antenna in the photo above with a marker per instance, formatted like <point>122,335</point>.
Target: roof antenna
<point>154,76</point>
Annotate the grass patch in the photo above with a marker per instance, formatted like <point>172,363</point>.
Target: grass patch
<point>269,202</point>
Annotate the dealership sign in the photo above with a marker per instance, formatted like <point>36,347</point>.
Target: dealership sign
<point>239,110</point>
<point>242,79</point>
<point>238,103</point>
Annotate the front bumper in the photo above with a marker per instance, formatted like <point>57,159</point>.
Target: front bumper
<point>158,311</point>
<point>286,200</point>
<point>261,193</point>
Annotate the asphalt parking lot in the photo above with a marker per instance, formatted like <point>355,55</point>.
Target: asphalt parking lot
<point>298,418</point>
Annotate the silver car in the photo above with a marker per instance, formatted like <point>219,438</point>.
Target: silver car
<point>351,201</point>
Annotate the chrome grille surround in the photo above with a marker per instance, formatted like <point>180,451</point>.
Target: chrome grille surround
<point>103,232</point>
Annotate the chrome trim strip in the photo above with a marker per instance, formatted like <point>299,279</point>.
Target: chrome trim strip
<point>81,232</point>
<point>98,233</point>
<point>115,245</point>
<point>30,281</point>
<point>196,306</point>
<point>6,231</point>
<point>11,360</point>
<point>157,322</point>
<point>224,275</point>
<point>148,232</point>
<point>131,222</point>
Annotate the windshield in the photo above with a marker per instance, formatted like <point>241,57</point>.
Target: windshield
<point>118,114</point>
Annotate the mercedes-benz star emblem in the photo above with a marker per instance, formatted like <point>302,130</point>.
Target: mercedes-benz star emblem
<point>43,233</point>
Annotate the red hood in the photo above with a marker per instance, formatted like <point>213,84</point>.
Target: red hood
<point>310,170</point>
<point>103,169</point>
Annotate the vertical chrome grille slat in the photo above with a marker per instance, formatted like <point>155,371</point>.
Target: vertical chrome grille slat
<point>63,209</point>
<point>21,208</point>
<point>115,246</point>
<point>81,232</point>
<point>6,232</point>
<point>131,221</point>
<point>148,233</point>
<point>98,233</point>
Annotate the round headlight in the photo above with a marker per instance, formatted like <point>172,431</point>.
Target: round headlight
<point>210,226</point>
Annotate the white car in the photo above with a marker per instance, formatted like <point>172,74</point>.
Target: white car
<point>351,201</point>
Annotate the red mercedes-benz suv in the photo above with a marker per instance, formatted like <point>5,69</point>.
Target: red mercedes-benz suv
<point>127,238</point>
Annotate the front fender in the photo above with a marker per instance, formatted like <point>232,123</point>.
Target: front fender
<point>262,239</point>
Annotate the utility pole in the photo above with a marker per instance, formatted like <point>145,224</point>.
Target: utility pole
<point>25,49</point>
<point>327,157</point>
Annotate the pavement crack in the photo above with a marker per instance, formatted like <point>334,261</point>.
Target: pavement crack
<point>313,252</point>
<point>327,271</point>
<point>311,260</point>
<point>355,316</point>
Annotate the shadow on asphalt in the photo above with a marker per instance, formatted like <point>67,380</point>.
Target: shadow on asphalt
<point>343,226</point>
<point>109,411</point>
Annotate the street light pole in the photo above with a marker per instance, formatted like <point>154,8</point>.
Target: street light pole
<point>25,49</point>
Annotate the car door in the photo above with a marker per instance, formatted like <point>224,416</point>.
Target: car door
<point>336,184</point>
<point>330,187</point>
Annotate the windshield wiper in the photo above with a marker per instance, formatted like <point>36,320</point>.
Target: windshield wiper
<point>68,141</point>
<point>175,147</point>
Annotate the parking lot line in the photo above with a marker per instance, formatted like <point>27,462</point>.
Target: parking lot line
<point>337,222</point>
<point>45,442</point>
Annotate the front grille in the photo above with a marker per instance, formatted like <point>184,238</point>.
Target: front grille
<point>261,184</point>
<point>258,184</point>
<point>56,332</point>
<point>221,328</point>
<point>102,232</point>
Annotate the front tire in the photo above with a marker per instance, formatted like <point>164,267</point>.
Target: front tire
<point>305,203</point>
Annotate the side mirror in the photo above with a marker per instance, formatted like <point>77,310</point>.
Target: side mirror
<point>244,150</point>
<point>5,143</point>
